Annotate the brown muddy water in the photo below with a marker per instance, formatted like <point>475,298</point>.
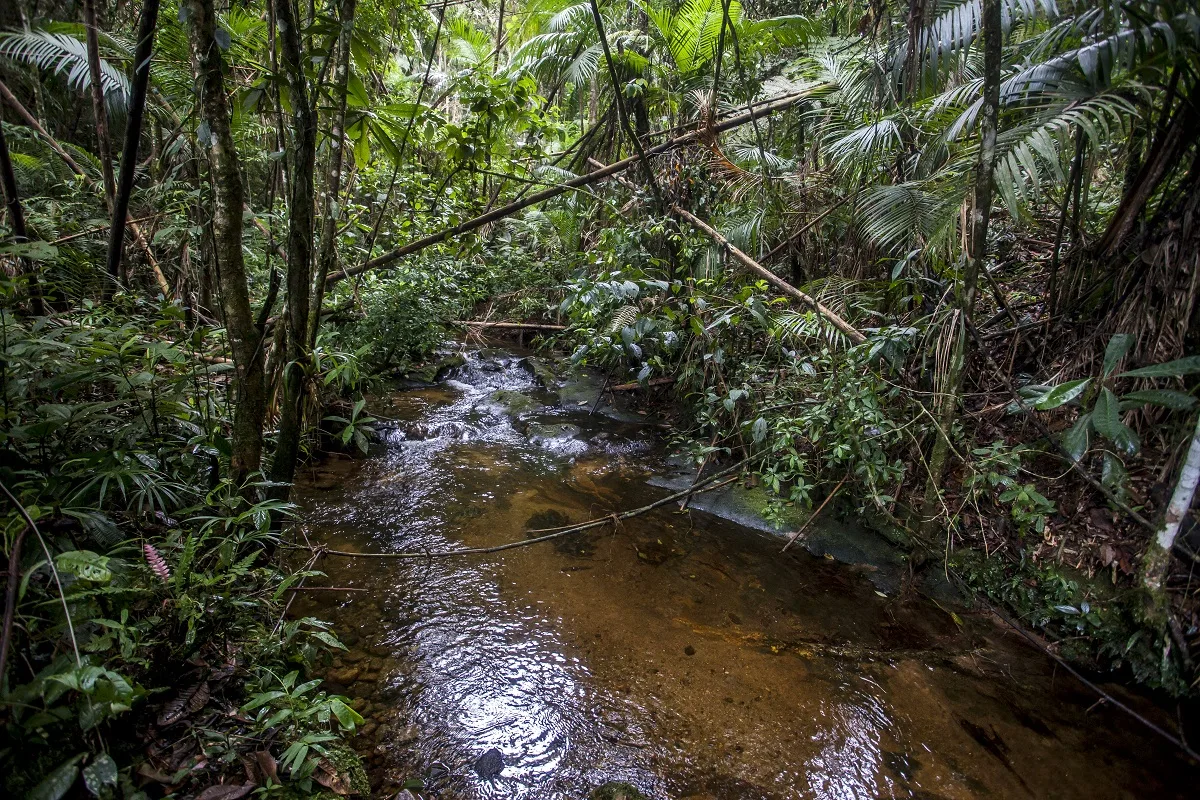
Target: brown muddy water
<point>680,652</point>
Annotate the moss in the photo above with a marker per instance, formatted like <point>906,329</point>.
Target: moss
<point>616,790</point>
<point>513,403</point>
<point>347,763</point>
<point>1097,625</point>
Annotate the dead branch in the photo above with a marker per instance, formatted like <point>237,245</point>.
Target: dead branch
<point>574,183</point>
<point>770,277</point>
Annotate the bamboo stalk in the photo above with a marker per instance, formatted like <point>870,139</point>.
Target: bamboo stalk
<point>770,277</point>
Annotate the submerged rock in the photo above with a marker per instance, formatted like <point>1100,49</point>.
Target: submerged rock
<point>490,764</point>
<point>557,437</point>
<point>514,404</point>
<point>616,790</point>
<point>434,371</point>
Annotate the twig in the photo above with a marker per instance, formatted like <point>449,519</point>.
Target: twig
<point>532,326</point>
<point>554,533</point>
<point>325,589</point>
<point>1170,737</point>
<point>814,515</point>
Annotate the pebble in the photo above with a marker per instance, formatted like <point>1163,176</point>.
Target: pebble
<point>689,650</point>
<point>490,764</point>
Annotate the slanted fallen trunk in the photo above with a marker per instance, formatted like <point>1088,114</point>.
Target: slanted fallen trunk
<point>574,183</point>
<point>779,283</point>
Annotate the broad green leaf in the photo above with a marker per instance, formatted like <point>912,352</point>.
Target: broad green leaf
<point>57,783</point>
<point>102,772</point>
<point>1167,398</point>
<point>1076,440</point>
<point>347,717</point>
<point>85,565</point>
<point>1106,419</point>
<point>1118,347</point>
<point>1061,394</point>
<point>1171,369</point>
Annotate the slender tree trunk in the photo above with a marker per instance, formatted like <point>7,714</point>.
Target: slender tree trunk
<point>16,221</point>
<point>99,110</point>
<point>250,402</point>
<point>333,183</point>
<point>967,290</point>
<point>302,145</point>
<point>133,133</point>
<point>1158,554</point>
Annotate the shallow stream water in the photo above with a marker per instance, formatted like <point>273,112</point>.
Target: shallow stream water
<point>679,651</point>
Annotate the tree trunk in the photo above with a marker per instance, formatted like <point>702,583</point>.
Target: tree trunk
<point>301,167</point>
<point>333,183</point>
<point>249,402</point>
<point>16,221</point>
<point>99,110</point>
<point>1158,554</point>
<point>133,133</point>
<point>947,402</point>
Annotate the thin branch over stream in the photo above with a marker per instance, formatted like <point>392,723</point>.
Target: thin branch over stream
<point>708,484</point>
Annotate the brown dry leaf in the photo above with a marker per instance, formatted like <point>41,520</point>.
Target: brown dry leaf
<point>189,701</point>
<point>327,776</point>
<point>268,765</point>
<point>229,791</point>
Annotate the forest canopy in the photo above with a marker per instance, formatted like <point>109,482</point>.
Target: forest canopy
<point>942,258</point>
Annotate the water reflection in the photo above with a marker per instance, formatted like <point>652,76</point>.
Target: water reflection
<point>846,767</point>
<point>679,653</point>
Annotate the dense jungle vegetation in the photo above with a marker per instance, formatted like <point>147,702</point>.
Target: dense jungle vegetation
<point>939,258</point>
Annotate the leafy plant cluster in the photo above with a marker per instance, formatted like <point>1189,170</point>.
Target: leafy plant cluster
<point>148,606</point>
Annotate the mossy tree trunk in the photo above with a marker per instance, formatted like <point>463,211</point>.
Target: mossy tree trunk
<point>225,175</point>
<point>301,147</point>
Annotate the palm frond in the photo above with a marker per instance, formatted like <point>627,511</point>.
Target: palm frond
<point>62,52</point>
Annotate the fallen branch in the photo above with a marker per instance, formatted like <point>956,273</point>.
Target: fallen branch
<point>629,387</point>
<point>707,484</point>
<point>780,247</point>
<point>770,277</point>
<point>326,589</point>
<point>791,541</point>
<point>574,183</point>
<point>530,326</point>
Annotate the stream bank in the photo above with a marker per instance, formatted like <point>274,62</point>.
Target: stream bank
<point>680,653</point>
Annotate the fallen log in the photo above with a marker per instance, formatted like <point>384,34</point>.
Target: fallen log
<point>525,326</point>
<point>574,183</point>
<point>779,283</point>
<point>629,387</point>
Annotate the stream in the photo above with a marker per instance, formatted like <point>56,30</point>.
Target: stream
<point>680,651</point>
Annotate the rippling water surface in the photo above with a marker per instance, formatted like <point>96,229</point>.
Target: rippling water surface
<point>679,652</point>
